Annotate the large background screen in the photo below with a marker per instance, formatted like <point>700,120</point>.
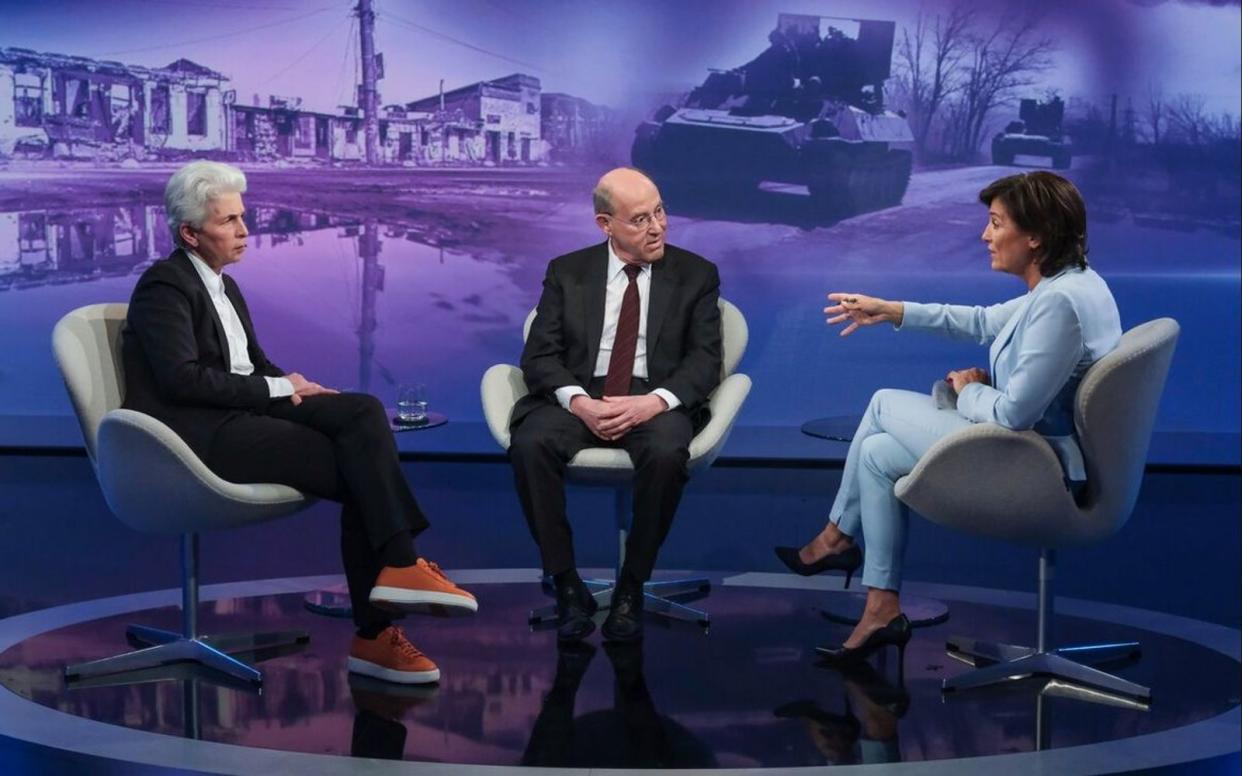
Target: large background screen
<point>804,147</point>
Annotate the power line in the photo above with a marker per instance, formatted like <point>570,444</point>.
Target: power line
<point>462,43</point>
<point>349,47</point>
<point>303,55</point>
<point>239,6</point>
<point>210,38</point>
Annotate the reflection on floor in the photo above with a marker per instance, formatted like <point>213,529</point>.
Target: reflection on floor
<point>749,693</point>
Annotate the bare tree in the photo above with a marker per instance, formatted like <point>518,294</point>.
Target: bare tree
<point>999,64</point>
<point>929,61</point>
<point>1189,121</point>
<point>1156,118</point>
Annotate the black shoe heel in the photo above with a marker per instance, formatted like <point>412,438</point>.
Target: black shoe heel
<point>896,633</point>
<point>848,560</point>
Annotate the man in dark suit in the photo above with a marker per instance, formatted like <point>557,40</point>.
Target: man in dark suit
<point>193,361</point>
<point>623,352</point>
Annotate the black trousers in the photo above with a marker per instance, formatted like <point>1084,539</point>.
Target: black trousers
<point>338,447</point>
<point>544,442</point>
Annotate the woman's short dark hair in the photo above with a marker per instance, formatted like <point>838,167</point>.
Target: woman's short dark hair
<point>1050,208</point>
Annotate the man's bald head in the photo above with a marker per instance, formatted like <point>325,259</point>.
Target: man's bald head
<point>619,183</point>
<point>629,210</point>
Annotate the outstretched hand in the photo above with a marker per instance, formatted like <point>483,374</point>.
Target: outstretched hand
<point>861,310</point>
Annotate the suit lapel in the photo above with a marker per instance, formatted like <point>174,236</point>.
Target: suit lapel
<point>663,283</point>
<point>1006,334</point>
<point>595,286</point>
<point>187,266</point>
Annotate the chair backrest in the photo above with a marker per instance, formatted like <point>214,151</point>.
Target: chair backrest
<point>1115,410</point>
<point>734,334</point>
<point>87,346</point>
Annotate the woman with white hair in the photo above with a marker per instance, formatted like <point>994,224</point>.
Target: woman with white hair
<point>192,360</point>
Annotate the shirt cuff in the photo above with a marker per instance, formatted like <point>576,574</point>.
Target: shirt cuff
<point>565,394</point>
<point>279,387</point>
<point>672,401</point>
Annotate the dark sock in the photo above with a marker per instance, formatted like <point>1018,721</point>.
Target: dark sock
<point>399,550</point>
<point>567,577</point>
<point>370,632</point>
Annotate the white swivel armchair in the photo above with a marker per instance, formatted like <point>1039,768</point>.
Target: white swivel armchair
<point>1008,485</point>
<point>154,483</point>
<point>503,386</point>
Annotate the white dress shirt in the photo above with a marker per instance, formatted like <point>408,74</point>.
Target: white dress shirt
<point>614,293</point>
<point>239,346</point>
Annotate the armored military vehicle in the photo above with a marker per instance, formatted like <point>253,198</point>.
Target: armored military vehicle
<point>808,110</point>
<point>1036,133</point>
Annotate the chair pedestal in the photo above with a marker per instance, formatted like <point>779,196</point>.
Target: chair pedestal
<point>656,595</point>
<point>163,647</point>
<point>997,662</point>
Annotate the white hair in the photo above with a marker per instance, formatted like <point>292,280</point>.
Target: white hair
<point>191,188</point>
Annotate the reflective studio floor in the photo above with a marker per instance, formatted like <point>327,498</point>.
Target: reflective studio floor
<point>747,693</point>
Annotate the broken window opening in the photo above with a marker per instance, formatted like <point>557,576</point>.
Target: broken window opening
<point>196,113</point>
<point>28,99</point>
<point>77,98</point>
<point>160,114</point>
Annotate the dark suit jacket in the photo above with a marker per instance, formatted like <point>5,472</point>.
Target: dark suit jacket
<point>176,354</point>
<point>683,328</point>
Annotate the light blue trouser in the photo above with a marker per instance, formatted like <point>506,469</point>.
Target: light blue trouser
<point>898,427</point>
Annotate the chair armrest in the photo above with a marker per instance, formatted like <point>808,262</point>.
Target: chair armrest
<point>725,403</point>
<point>154,483</point>
<point>989,480</point>
<point>501,388</point>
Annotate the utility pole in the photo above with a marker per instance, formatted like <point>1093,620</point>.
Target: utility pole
<point>369,95</point>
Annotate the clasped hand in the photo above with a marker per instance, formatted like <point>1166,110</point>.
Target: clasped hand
<point>960,378</point>
<point>612,417</point>
<point>303,388</point>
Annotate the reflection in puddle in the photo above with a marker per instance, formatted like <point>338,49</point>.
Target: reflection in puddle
<point>357,304</point>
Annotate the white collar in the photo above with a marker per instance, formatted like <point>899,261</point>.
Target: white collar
<point>616,266</point>
<point>212,279</point>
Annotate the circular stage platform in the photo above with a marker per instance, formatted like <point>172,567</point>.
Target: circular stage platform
<point>747,694</point>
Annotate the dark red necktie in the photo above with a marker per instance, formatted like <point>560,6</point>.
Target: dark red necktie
<point>621,362</point>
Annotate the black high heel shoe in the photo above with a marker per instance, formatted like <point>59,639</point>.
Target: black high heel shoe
<point>896,632</point>
<point>847,560</point>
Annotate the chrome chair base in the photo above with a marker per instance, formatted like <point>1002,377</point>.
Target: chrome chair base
<point>656,599</point>
<point>998,662</point>
<point>163,647</point>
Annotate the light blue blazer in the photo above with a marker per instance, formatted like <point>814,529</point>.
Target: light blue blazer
<point>1042,343</point>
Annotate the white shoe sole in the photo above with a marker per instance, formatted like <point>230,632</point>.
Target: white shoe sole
<point>423,601</point>
<point>367,668</point>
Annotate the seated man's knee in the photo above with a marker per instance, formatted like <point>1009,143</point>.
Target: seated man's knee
<point>664,454</point>
<point>526,442</point>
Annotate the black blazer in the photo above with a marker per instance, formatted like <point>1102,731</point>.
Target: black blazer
<point>683,328</point>
<point>176,354</point>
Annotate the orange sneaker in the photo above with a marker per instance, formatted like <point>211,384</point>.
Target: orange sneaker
<point>421,588</point>
<point>390,656</point>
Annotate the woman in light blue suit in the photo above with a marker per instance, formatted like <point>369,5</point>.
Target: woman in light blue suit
<point>1041,344</point>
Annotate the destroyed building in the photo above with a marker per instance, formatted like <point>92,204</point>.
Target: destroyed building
<point>506,112</point>
<point>75,107</point>
<point>71,107</point>
<point>577,130</point>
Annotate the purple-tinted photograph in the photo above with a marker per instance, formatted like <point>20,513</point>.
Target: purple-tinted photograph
<point>804,147</point>
<point>610,430</point>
